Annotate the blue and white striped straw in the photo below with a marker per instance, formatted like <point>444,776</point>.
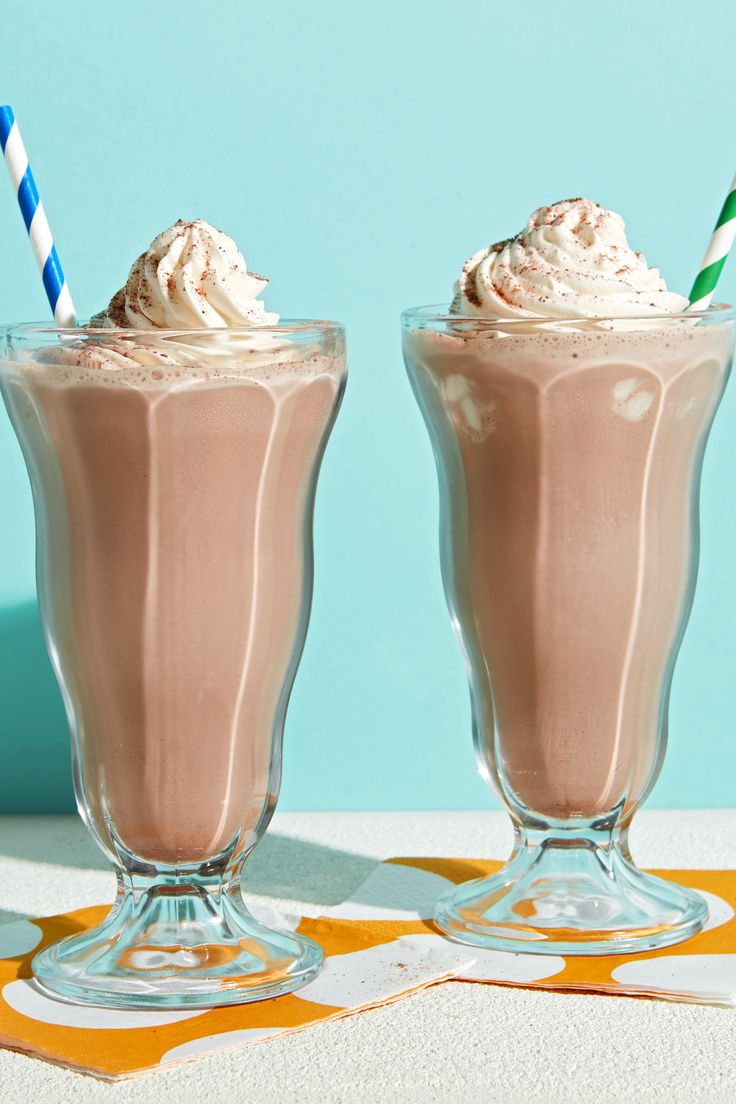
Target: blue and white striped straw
<point>35,219</point>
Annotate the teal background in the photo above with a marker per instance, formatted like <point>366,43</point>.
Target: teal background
<point>358,154</point>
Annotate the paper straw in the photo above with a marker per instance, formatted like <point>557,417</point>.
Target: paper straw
<point>716,253</point>
<point>35,219</point>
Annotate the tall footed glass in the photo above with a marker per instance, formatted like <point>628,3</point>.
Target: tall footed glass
<point>569,458</point>
<point>173,476</point>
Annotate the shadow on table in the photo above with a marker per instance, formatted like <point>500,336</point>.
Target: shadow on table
<point>280,867</point>
<point>7,917</point>
<point>286,868</point>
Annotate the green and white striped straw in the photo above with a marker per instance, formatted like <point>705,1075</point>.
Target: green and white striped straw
<point>716,253</point>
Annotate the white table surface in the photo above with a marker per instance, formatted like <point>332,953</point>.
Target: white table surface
<point>449,1044</point>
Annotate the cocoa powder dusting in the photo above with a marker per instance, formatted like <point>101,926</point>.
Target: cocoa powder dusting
<point>116,309</point>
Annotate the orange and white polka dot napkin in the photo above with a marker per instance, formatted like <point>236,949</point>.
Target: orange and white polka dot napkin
<point>379,946</point>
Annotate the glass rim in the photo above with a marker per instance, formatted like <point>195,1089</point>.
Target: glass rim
<point>440,313</point>
<point>283,327</point>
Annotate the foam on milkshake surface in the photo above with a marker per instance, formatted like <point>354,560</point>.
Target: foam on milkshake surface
<point>104,363</point>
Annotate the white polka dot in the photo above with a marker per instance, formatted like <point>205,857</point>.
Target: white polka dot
<point>18,938</point>
<point>393,892</point>
<point>272,917</point>
<point>704,976</point>
<point>225,1041</point>
<point>507,966</point>
<point>719,911</point>
<point>26,998</point>
<point>378,973</point>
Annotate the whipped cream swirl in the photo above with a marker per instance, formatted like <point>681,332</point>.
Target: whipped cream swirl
<point>192,276</point>
<point>571,261</point>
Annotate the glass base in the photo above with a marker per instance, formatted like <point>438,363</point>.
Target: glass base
<point>170,944</point>
<point>576,896</point>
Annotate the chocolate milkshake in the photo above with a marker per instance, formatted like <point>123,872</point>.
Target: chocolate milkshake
<point>175,585</point>
<point>173,448</point>
<point>568,400</point>
<point>570,461</point>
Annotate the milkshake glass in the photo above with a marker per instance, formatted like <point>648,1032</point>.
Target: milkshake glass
<point>569,455</point>
<point>173,477</point>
